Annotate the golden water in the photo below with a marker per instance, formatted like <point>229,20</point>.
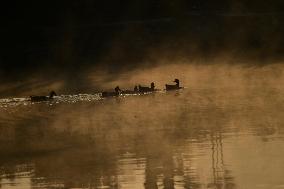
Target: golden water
<point>209,137</point>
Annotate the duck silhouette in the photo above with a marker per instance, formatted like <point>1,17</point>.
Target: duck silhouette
<point>116,92</point>
<point>173,87</point>
<point>43,98</point>
<point>129,92</point>
<point>146,89</point>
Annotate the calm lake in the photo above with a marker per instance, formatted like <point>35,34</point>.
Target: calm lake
<point>209,137</point>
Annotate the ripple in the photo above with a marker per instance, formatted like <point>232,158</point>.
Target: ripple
<point>71,98</point>
<point>14,102</point>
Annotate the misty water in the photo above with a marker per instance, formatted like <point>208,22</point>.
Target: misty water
<point>204,136</point>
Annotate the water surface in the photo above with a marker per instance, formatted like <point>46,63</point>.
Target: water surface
<point>213,137</point>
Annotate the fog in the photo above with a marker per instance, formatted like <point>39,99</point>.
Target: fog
<point>217,74</point>
<point>222,130</point>
<point>83,52</point>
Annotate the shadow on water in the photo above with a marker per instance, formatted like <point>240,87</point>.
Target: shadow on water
<point>168,140</point>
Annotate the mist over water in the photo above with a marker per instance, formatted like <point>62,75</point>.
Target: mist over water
<point>224,130</point>
<point>63,50</point>
<point>217,73</point>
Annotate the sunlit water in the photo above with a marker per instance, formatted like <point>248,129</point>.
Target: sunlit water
<point>194,138</point>
<point>7,103</point>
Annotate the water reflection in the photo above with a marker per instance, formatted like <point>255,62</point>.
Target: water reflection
<point>199,138</point>
<point>221,176</point>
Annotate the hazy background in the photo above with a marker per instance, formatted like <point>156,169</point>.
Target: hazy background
<point>222,131</point>
<point>88,46</point>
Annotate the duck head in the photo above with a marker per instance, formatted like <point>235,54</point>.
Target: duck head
<point>117,89</point>
<point>52,94</point>
<point>176,81</point>
<point>152,85</point>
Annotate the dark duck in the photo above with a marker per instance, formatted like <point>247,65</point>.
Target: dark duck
<point>43,98</point>
<point>173,87</point>
<point>116,92</point>
<point>146,89</point>
<point>135,91</point>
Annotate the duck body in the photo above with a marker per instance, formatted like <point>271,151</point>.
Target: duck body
<point>109,94</point>
<point>116,92</point>
<point>39,98</point>
<point>43,98</point>
<point>173,87</point>
<point>129,92</point>
<point>146,89</point>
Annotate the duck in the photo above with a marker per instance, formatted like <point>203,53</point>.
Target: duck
<point>173,87</point>
<point>147,89</point>
<point>129,92</point>
<point>117,92</point>
<point>43,98</point>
